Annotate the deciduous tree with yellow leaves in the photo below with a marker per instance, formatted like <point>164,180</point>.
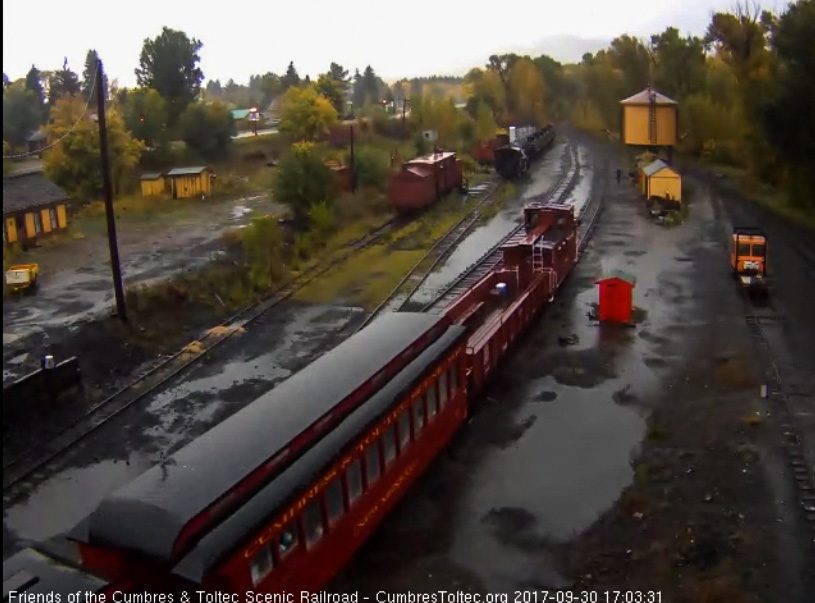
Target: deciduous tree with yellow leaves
<point>74,162</point>
<point>306,114</point>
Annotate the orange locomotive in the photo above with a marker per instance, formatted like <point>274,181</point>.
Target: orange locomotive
<point>748,259</point>
<point>279,496</point>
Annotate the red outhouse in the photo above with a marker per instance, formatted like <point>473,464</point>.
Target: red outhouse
<point>616,297</point>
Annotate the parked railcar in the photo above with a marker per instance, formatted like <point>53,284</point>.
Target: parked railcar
<point>424,181</point>
<point>279,496</point>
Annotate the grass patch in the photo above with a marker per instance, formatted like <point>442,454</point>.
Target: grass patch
<point>769,197</point>
<point>369,276</point>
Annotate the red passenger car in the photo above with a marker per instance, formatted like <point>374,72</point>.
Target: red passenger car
<point>424,180</point>
<point>280,495</point>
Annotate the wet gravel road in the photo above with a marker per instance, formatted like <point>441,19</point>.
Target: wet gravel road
<point>76,282</point>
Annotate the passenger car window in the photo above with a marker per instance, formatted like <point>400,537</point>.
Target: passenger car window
<point>261,564</point>
<point>418,414</point>
<point>313,522</point>
<point>372,461</point>
<point>287,540</point>
<point>333,500</point>
<point>354,476</point>
<point>404,429</point>
<point>442,389</point>
<point>389,439</point>
<point>432,407</point>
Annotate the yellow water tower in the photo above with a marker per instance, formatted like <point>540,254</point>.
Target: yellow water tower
<point>649,119</point>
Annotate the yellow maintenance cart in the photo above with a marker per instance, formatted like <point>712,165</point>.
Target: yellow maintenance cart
<point>23,277</point>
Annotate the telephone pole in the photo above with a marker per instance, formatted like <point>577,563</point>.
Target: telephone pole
<point>118,289</point>
<point>353,163</point>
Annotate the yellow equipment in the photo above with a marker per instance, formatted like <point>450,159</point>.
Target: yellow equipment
<point>23,277</point>
<point>748,259</point>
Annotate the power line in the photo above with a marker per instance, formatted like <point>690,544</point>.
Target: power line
<point>68,133</point>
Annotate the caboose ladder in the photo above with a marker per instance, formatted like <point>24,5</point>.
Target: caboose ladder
<point>537,255</point>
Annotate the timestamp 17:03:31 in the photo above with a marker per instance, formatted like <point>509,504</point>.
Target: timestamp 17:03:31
<point>588,596</point>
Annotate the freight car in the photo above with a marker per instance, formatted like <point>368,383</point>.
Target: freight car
<point>279,496</point>
<point>424,181</point>
<point>526,145</point>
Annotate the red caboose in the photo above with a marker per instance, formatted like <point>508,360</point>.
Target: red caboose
<point>424,180</point>
<point>484,152</point>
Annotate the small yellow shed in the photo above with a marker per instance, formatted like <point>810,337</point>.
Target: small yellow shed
<point>33,207</point>
<point>152,184</point>
<point>189,181</point>
<point>649,119</point>
<point>659,180</point>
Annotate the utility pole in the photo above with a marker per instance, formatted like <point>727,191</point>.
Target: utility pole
<point>353,163</point>
<point>404,111</point>
<point>118,289</point>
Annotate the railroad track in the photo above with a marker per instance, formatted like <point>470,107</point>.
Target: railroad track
<point>481,267</point>
<point>404,291</point>
<point>37,457</point>
<point>780,393</point>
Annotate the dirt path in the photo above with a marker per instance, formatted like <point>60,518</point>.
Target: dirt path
<point>76,278</point>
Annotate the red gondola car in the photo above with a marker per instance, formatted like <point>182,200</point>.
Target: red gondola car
<point>424,180</point>
<point>280,495</point>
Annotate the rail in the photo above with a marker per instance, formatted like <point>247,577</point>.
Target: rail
<point>440,250</point>
<point>802,469</point>
<point>36,457</point>
<point>489,260</point>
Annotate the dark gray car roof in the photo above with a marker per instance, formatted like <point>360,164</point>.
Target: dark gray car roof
<point>148,514</point>
<point>234,530</point>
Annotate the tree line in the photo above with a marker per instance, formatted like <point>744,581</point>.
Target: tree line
<point>745,90</point>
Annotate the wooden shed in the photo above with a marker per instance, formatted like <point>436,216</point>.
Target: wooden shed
<point>189,181</point>
<point>659,180</point>
<point>33,206</point>
<point>649,119</point>
<point>152,184</point>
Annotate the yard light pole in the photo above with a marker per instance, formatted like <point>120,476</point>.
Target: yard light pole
<point>121,310</point>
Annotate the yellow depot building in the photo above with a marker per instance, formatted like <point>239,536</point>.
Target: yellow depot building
<point>33,207</point>
<point>189,182</point>
<point>649,119</point>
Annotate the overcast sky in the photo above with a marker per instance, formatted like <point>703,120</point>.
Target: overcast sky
<point>418,37</point>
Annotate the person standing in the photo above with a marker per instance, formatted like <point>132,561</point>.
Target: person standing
<point>619,175</point>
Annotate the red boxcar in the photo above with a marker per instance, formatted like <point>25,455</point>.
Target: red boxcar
<point>424,180</point>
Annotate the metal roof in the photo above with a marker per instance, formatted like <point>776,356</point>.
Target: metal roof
<point>187,171</point>
<point>240,113</point>
<point>36,136</point>
<point>151,176</point>
<point>618,274</point>
<point>432,158</point>
<point>644,98</point>
<point>223,539</point>
<point>29,190</point>
<point>653,167</point>
<point>148,514</point>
